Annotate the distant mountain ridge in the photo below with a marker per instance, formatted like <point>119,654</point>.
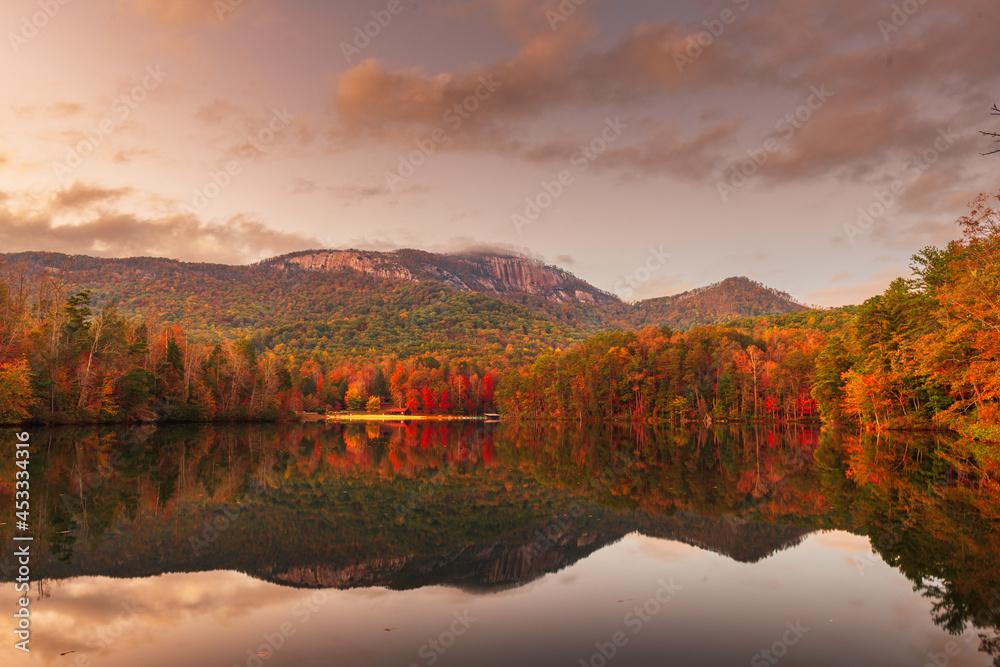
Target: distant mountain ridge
<point>719,303</point>
<point>489,273</point>
<point>406,302</point>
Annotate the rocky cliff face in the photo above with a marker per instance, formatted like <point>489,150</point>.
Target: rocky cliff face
<point>521,274</point>
<point>375,264</point>
<point>493,274</point>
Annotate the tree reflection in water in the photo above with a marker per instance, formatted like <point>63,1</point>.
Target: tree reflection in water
<point>495,506</point>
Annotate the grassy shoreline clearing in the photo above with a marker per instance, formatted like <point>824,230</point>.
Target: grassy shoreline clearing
<point>381,417</point>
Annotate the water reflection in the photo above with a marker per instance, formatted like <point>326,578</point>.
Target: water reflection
<point>553,533</point>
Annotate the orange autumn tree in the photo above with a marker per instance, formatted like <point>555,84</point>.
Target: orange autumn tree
<point>927,351</point>
<point>965,280</point>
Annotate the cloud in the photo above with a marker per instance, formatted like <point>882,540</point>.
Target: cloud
<point>81,196</point>
<point>554,69</point>
<point>945,189</point>
<point>346,194</point>
<point>374,244</point>
<point>550,70</point>
<point>181,14</point>
<point>89,614</point>
<point>303,186</point>
<point>467,246</point>
<point>65,109</point>
<point>218,111</point>
<point>890,96</point>
<point>657,57</point>
<point>133,154</point>
<point>664,151</point>
<point>115,234</point>
<point>353,194</point>
<point>392,104</point>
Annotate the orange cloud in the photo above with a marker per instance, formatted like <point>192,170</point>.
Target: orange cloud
<point>81,196</point>
<point>878,108</point>
<point>183,14</point>
<point>111,233</point>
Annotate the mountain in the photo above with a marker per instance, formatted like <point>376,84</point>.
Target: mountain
<point>283,306</point>
<point>726,301</point>
<point>352,303</point>
<point>489,273</point>
<point>516,279</point>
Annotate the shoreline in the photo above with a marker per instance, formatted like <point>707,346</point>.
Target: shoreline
<point>400,418</point>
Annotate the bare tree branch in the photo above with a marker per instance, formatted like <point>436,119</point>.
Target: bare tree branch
<point>995,111</point>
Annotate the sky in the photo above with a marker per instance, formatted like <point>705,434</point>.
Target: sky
<point>647,147</point>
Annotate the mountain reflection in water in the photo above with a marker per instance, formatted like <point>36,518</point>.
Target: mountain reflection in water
<point>496,514</point>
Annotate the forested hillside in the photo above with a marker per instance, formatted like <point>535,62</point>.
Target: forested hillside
<point>62,362</point>
<point>408,302</point>
<point>925,354</point>
<point>713,372</point>
<point>343,313</point>
<point>104,340</point>
<point>726,301</point>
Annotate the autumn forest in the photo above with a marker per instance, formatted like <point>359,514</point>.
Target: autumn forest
<point>77,346</point>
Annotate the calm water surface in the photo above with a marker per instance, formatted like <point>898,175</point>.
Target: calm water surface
<point>459,544</point>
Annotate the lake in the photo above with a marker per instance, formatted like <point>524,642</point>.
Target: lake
<point>458,543</point>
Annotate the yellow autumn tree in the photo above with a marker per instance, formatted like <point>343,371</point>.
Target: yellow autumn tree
<point>15,391</point>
